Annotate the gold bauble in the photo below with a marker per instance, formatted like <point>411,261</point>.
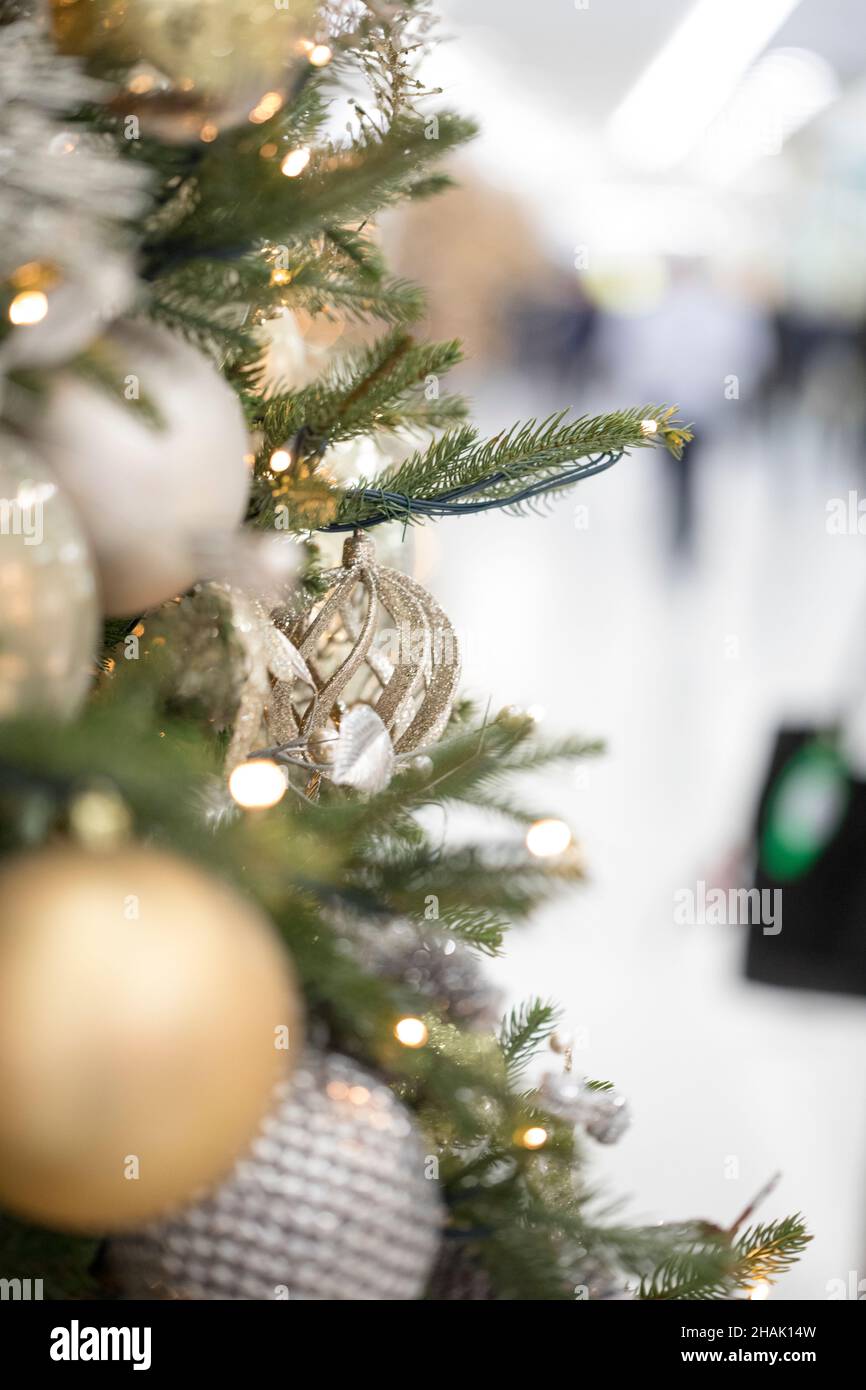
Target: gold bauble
<point>146,1013</point>
<point>195,66</point>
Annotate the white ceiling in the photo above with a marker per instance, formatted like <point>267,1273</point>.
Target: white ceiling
<point>545,78</point>
<point>590,57</point>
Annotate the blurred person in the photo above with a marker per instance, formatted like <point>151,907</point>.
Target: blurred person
<point>554,330</point>
<point>705,348</point>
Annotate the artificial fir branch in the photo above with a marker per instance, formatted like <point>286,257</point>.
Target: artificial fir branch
<point>238,203</point>
<point>462,473</point>
<point>766,1251</point>
<point>375,389</point>
<point>714,1267</point>
<point>701,1273</point>
<point>523,1032</point>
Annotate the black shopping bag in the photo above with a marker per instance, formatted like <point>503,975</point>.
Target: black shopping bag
<point>810,843</point>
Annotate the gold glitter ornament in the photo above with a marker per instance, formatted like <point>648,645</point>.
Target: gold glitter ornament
<point>196,66</point>
<point>147,1010</point>
<point>383,658</point>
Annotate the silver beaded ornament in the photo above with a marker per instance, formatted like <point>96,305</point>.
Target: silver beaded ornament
<point>603,1114</point>
<point>330,1203</point>
<point>431,962</point>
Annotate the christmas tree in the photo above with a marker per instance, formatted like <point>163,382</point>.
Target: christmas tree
<point>247,1050</point>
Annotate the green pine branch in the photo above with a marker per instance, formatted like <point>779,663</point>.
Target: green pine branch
<point>480,927</point>
<point>714,1267</point>
<point>524,454</point>
<point>701,1273</point>
<point>472,766</point>
<point>524,1031</point>
<point>240,201</point>
<point>768,1250</point>
<point>318,286</point>
<point>378,388</point>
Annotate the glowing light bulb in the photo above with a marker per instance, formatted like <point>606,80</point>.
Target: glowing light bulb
<point>535,1137</point>
<point>545,838</point>
<point>411,1032</point>
<point>280,460</point>
<point>30,306</point>
<point>295,162</point>
<point>320,55</point>
<point>280,275</point>
<point>208,132</point>
<point>257,784</point>
<point>759,1291</point>
<point>267,106</point>
<point>649,427</point>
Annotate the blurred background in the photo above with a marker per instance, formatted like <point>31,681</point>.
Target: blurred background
<point>668,204</point>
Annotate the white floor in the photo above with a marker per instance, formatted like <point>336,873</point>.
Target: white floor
<point>686,681</point>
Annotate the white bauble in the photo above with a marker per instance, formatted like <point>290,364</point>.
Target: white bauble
<point>148,493</point>
<point>49,615</point>
<point>80,304</point>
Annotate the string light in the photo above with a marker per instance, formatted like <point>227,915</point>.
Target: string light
<point>100,819</point>
<point>257,784</point>
<point>295,162</point>
<point>411,1032</point>
<point>535,1137</point>
<point>649,427</point>
<point>280,460</point>
<point>320,55</point>
<point>546,838</point>
<point>280,275</point>
<point>266,107</point>
<point>208,132</point>
<point>30,306</point>
<point>759,1291</point>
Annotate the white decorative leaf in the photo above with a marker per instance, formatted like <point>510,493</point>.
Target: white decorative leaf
<point>364,755</point>
<point>284,659</point>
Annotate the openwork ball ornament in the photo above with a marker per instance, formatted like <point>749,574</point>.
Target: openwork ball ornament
<point>330,1203</point>
<point>375,638</point>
